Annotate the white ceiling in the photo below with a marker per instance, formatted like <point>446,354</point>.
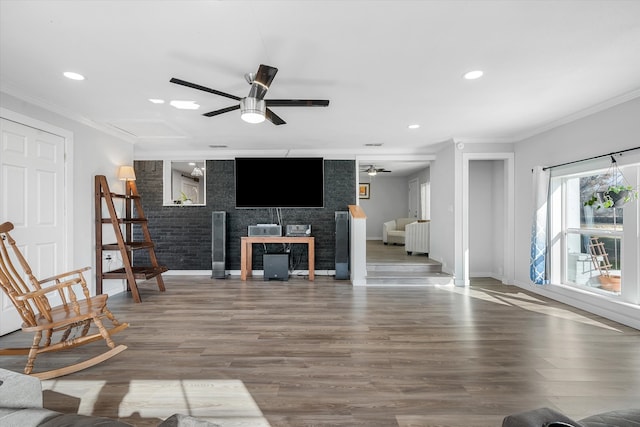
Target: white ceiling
<point>382,64</point>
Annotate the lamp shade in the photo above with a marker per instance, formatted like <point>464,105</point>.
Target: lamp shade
<point>126,173</point>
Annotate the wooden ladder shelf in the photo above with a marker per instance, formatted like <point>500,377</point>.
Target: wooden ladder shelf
<point>124,243</point>
<point>599,256</point>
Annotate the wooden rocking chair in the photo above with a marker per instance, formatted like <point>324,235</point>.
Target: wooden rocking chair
<point>76,312</point>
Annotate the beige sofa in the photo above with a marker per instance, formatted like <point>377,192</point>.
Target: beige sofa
<point>393,232</point>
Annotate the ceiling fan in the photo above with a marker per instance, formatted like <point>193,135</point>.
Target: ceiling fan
<point>254,108</point>
<point>373,171</point>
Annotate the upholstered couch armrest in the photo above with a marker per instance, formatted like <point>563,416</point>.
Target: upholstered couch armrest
<point>181,420</point>
<point>618,418</point>
<point>21,400</point>
<point>417,237</point>
<point>19,390</point>
<point>540,417</point>
<point>386,227</point>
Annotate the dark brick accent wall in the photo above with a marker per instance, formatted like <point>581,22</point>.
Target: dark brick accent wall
<point>182,234</point>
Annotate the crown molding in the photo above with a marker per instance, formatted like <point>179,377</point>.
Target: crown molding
<point>602,106</point>
<point>56,109</point>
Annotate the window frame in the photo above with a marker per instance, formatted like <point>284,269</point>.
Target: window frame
<point>560,232</point>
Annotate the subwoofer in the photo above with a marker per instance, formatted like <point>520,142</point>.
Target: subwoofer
<point>218,244</point>
<point>276,266</point>
<point>342,245</point>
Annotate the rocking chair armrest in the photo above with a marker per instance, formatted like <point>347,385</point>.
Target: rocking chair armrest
<point>53,288</point>
<point>61,275</point>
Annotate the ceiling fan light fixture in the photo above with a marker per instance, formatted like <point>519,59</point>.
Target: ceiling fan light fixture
<point>252,110</point>
<point>372,171</point>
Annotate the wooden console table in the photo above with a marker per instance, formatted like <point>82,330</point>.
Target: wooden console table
<point>246,251</point>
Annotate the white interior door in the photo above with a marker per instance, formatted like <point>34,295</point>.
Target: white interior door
<point>32,166</point>
<point>413,198</point>
<point>425,200</point>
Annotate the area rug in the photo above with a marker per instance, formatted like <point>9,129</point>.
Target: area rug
<point>147,402</point>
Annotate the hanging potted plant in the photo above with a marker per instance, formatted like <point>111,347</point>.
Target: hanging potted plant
<point>618,193</point>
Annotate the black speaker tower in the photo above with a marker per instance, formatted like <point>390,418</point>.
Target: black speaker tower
<point>342,245</point>
<point>218,244</point>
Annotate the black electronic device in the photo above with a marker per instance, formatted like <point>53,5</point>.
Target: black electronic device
<point>264,230</point>
<point>298,230</point>
<point>279,182</point>
<point>276,266</point>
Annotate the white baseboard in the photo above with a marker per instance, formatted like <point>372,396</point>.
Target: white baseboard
<point>473,274</point>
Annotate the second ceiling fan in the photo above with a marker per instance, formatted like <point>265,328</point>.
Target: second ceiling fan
<point>372,170</point>
<point>254,108</point>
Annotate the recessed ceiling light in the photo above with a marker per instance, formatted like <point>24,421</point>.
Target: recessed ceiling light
<point>373,145</point>
<point>414,126</point>
<point>472,75</point>
<point>73,76</point>
<point>217,146</point>
<point>156,101</point>
<point>185,105</point>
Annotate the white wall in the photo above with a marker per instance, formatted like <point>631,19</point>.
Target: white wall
<point>613,129</point>
<point>388,200</point>
<point>442,231</point>
<point>498,215</point>
<point>94,153</point>
<point>486,221</point>
<point>449,175</point>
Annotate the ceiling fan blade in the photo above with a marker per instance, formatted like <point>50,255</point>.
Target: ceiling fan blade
<point>297,102</point>
<point>265,75</point>
<point>274,118</point>
<point>221,111</point>
<point>262,81</point>
<point>203,88</point>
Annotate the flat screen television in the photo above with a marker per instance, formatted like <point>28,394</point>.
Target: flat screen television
<point>279,182</point>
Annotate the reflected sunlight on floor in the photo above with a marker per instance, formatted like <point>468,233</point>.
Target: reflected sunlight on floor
<point>513,297</point>
<point>146,402</point>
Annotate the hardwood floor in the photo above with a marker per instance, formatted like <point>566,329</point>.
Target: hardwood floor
<point>325,353</point>
<point>379,252</point>
<point>391,265</point>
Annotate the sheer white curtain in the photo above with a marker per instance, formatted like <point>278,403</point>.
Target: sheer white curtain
<point>539,262</point>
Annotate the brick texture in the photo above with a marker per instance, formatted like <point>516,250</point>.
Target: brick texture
<point>182,234</point>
